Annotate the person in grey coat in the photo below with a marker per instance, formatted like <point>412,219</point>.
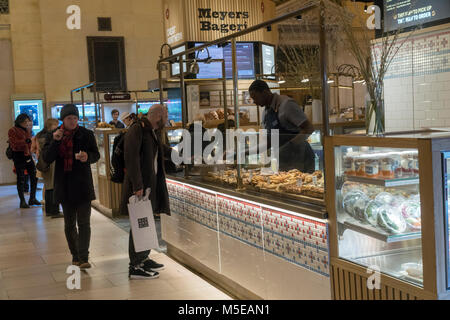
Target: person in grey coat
<point>144,168</point>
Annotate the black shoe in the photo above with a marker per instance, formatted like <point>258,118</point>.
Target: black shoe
<point>84,265</point>
<point>150,265</point>
<point>34,202</point>
<point>138,273</point>
<point>24,205</point>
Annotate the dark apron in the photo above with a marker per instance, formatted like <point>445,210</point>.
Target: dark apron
<point>293,155</point>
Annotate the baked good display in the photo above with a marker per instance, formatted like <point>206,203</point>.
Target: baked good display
<point>292,182</point>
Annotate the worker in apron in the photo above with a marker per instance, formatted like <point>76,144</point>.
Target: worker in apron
<point>285,115</point>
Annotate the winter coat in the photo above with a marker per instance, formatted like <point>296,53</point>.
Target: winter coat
<point>49,174</point>
<point>141,146</point>
<point>77,185</point>
<point>20,142</point>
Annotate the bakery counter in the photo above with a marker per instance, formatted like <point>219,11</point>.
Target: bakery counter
<point>238,238</point>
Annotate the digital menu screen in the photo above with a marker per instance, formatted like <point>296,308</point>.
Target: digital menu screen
<point>245,61</point>
<point>400,14</point>
<point>268,59</point>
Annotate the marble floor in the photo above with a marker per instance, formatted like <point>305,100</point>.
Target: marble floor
<point>34,258</point>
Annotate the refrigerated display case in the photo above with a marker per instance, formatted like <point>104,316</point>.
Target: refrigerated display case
<point>385,199</point>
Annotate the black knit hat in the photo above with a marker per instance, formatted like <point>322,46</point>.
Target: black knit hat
<point>69,110</point>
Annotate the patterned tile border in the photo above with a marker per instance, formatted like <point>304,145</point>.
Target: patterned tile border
<point>298,240</point>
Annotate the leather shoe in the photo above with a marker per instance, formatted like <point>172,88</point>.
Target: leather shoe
<point>34,202</point>
<point>24,205</point>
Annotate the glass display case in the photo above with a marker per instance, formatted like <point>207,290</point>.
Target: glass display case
<point>259,172</point>
<point>387,200</point>
<point>108,193</point>
<point>379,210</point>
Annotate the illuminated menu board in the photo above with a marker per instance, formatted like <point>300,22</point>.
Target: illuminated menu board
<point>400,14</point>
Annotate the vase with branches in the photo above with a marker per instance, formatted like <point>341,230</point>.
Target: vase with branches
<point>374,56</point>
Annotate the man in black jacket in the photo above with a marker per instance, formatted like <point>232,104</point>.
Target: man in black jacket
<point>144,165</point>
<point>74,149</point>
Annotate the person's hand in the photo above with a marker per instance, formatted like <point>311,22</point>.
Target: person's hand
<point>81,156</point>
<point>139,193</point>
<point>58,135</point>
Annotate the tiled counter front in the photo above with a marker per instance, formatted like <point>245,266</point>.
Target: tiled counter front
<point>272,253</point>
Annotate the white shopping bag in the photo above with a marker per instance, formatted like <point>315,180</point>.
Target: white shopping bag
<point>143,223</point>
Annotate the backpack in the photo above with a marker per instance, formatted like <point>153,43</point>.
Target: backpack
<point>9,152</point>
<point>118,159</point>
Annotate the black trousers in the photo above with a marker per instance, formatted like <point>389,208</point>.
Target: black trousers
<point>78,239</point>
<point>136,258</point>
<point>20,171</point>
<point>51,206</point>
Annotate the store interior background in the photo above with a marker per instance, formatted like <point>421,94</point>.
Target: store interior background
<point>39,55</point>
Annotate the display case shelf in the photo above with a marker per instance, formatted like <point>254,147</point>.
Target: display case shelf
<point>384,182</point>
<point>355,225</point>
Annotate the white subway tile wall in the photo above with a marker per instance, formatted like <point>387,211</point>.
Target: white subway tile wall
<point>300,241</point>
<point>417,85</point>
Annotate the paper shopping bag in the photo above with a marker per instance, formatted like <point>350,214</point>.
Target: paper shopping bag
<point>142,223</point>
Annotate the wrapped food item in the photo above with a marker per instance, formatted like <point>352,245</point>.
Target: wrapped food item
<point>350,199</point>
<point>407,164</point>
<point>391,220</point>
<point>359,207</point>
<point>371,212</point>
<point>412,214</point>
<point>385,197</point>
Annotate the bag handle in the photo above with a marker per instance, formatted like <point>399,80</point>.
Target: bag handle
<point>136,199</point>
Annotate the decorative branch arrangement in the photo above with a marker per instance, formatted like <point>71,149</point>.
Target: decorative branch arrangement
<point>374,58</point>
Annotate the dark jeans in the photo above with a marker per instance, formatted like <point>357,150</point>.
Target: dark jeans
<point>51,206</point>
<point>136,258</point>
<point>21,179</point>
<point>78,240</point>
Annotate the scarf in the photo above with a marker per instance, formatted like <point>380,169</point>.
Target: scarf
<point>66,148</point>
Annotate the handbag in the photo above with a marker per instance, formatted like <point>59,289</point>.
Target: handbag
<point>41,165</point>
<point>143,223</point>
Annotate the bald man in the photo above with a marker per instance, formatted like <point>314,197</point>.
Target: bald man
<point>144,164</point>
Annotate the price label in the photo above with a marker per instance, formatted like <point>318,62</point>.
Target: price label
<point>250,176</point>
<point>315,180</point>
<point>299,183</point>
<point>268,180</point>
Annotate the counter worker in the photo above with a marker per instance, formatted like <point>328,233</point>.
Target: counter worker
<point>284,114</point>
<point>115,122</point>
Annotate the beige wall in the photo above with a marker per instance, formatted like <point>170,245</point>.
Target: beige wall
<point>65,51</point>
<point>6,113</point>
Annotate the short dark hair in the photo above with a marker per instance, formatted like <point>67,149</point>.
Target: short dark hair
<point>259,86</point>
<point>115,111</point>
<point>21,118</point>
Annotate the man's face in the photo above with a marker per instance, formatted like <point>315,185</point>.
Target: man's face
<point>258,97</point>
<point>70,122</point>
<point>115,116</point>
<point>127,121</point>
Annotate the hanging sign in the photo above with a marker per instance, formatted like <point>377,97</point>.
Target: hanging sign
<point>117,96</point>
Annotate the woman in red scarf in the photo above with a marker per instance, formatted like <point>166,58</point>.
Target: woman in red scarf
<point>73,149</point>
<point>20,141</point>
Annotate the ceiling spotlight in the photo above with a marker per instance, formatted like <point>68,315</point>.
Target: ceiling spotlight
<point>281,80</point>
<point>269,28</point>
<point>299,17</point>
<point>305,80</point>
<point>365,8</point>
<point>330,80</point>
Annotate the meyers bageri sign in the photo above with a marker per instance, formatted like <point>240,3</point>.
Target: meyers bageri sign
<point>206,16</point>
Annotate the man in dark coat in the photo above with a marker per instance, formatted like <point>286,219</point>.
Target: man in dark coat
<point>144,164</point>
<point>74,149</point>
